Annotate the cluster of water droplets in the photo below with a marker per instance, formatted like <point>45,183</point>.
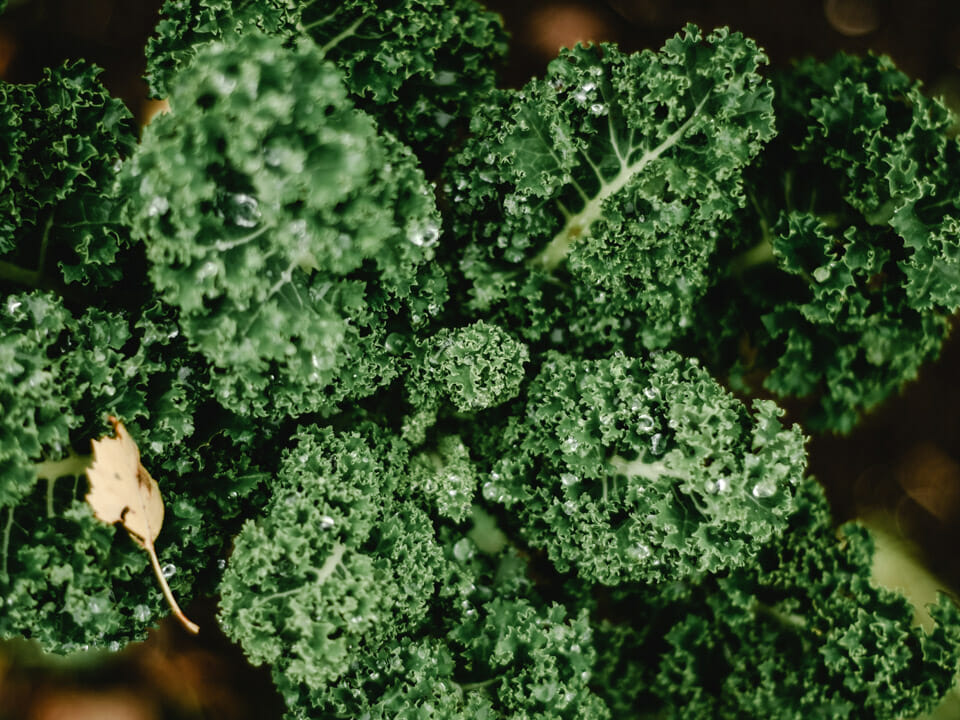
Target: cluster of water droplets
<point>158,205</point>
<point>494,491</point>
<point>764,489</point>
<point>721,485</point>
<point>425,236</point>
<point>243,210</point>
<point>588,93</point>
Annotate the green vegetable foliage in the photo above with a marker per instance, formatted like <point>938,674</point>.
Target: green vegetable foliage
<point>423,367</point>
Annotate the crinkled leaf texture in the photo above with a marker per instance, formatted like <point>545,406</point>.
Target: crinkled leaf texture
<point>803,633</point>
<point>464,370</point>
<point>284,228</point>
<point>339,561</point>
<point>855,262</point>
<point>368,602</point>
<point>62,139</point>
<point>630,470</point>
<point>418,66</point>
<point>68,581</point>
<point>590,198</point>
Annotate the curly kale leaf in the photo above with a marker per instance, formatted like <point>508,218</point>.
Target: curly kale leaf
<point>418,66</point>
<point>803,633</point>
<point>35,417</point>
<point>491,648</point>
<point>630,470</point>
<point>338,562</point>
<point>68,581</point>
<point>590,198</point>
<point>445,478</point>
<point>467,369</point>
<point>63,139</point>
<point>855,229</point>
<point>287,232</point>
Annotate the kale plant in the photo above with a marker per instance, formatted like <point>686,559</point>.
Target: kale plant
<point>431,382</point>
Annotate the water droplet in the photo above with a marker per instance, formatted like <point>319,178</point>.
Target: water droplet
<point>169,570</point>
<point>208,269</point>
<point>13,305</point>
<point>764,489</point>
<point>597,109</point>
<point>650,393</point>
<point>570,445</point>
<point>141,613</point>
<point>490,491</point>
<point>97,605</point>
<point>244,210</point>
<point>723,484</point>
<point>158,206</point>
<point>114,646</point>
<point>223,82</point>
<point>463,550</point>
<point>233,495</point>
<point>657,444</point>
<point>221,564</point>
<point>640,551</point>
<point>645,423</point>
<point>326,522</point>
<point>568,479</point>
<point>426,236</point>
<point>710,487</point>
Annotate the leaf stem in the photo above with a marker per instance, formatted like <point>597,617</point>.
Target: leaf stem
<point>167,594</point>
<point>5,549</point>
<point>467,687</point>
<point>147,544</point>
<point>73,465</point>
<point>336,39</point>
<point>18,275</point>
<point>556,251</point>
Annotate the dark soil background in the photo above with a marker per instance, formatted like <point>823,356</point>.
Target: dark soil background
<point>902,463</point>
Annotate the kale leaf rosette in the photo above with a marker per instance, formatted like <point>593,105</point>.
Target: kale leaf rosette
<point>285,229</point>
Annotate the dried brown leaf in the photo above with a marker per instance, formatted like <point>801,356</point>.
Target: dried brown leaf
<point>122,491</point>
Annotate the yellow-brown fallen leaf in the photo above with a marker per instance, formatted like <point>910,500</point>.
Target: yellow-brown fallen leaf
<point>122,491</point>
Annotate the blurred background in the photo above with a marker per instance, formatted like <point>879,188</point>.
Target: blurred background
<point>900,471</point>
